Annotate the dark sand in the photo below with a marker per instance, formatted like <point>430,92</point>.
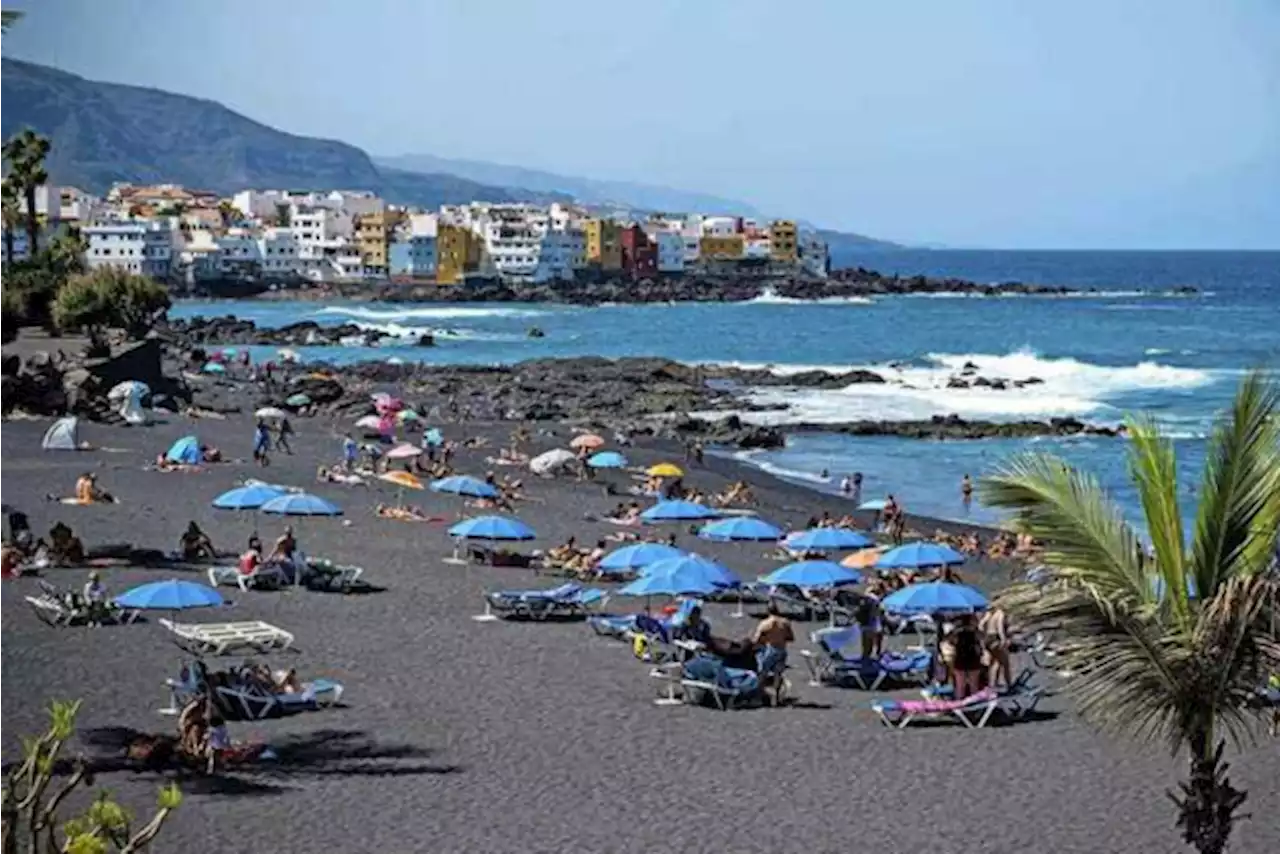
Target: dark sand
<point>464,736</point>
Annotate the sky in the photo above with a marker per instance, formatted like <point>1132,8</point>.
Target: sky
<point>992,123</point>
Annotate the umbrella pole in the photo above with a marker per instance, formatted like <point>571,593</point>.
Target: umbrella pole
<point>740,611</point>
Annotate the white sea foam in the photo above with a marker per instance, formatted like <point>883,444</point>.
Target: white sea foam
<point>756,459</point>
<point>770,296</point>
<point>920,390</point>
<point>1161,351</point>
<point>437,312</point>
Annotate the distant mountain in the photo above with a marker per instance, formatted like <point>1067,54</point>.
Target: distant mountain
<point>106,132</point>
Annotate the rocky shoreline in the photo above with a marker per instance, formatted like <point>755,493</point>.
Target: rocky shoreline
<point>850,283</point>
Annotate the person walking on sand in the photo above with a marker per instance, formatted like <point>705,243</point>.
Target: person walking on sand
<point>771,638</point>
<point>261,443</point>
<point>282,436</point>
<point>966,491</point>
<point>349,452</point>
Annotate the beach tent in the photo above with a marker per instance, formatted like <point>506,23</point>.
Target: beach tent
<point>64,435</point>
<point>552,461</point>
<point>186,451</point>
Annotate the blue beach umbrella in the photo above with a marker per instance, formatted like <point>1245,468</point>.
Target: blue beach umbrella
<point>492,528</point>
<point>248,497</point>
<point>186,450</point>
<point>673,577</point>
<point>687,564</point>
<point>917,555</point>
<point>875,504</point>
<point>300,504</point>
<point>214,368</point>
<point>935,596</point>
<point>607,460</point>
<point>461,484</point>
<point>829,539</point>
<point>637,556</point>
<point>434,437</point>
<point>740,528</point>
<point>678,511</point>
<point>170,595</point>
<point>812,573</point>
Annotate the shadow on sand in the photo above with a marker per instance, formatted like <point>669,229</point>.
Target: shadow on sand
<point>321,753</point>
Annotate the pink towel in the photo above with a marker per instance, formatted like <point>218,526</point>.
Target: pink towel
<point>935,707</point>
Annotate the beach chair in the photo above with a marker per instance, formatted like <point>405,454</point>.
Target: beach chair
<point>706,677</point>
<point>837,653</point>
<point>59,608</point>
<point>619,626</point>
<point>567,600</point>
<point>327,575</point>
<point>245,700</point>
<point>264,576</point>
<point>973,712</point>
<point>228,638</point>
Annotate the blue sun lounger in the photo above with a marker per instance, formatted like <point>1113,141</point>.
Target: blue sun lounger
<point>567,600</point>
<point>706,676</point>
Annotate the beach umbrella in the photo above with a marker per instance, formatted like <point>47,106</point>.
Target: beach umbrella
<point>590,441</point>
<point>812,573</point>
<point>875,504</point>
<point>186,451</point>
<point>406,415</point>
<point>126,389</point>
<point>433,437</point>
<point>678,511</point>
<point>271,412</point>
<point>298,399</point>
<point>740,528</point>
<point>248,497</point>
<point>461,484</point>
<point>170,595</point>
<point>933,597</point>
<point>665,470</point>
<point>864,559</point>
<point>214,368</point>
<point>369,422</point>
<point>607,460</point>
<point>402,479</point>
<point>492,528</point>
<point>300,504</point>
<point>719,574</point>
<point>551,461</point>
<point>687,575</point>
<point>637,556</point>
<point>403,451</point>
<point>828,539</point>
<point>917,555</point>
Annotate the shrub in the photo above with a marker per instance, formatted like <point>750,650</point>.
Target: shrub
<point>105,298</point>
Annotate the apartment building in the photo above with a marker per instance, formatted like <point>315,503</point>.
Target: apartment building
<point>721,247</point>
<point>144,248</point>
<point>639,253</point>
<point>603,247</point>
<point>783,245</point>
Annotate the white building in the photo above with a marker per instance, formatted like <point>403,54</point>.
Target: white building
<point>813,253</point>
<point>719,226</point>
<point>671,251</point>
<point>278,254</point>
<point>68,204</point>
<point>144,248</point>
<point>264,205</point>
<point>758,248</point>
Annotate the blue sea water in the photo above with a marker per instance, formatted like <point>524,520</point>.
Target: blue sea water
<point>1101,356</point>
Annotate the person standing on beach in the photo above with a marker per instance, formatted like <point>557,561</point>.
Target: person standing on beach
<point>771,639</point>
<point>282,436</point>
<point>261,443</point>
<point>349,452</point>
<point>966,491</point>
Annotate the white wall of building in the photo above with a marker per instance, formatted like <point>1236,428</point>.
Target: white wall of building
<point>671,251</point>
<point>144,248</point>
<point>278,252</point>
<point>719,226</point>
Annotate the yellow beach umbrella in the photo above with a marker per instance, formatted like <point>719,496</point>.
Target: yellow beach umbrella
<point>666,470</point>
<point>404,480</point>
<point>864,559</point>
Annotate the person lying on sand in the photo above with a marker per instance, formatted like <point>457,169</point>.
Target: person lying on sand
<point>404,514</point>
<point>165,464</point>
<point>337,474</point>
<point>210,454</point>
<point>737,493</point>
<point>475,442</point>
<point>194,544</point>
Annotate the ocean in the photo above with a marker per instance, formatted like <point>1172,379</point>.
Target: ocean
<point>1123,350</point>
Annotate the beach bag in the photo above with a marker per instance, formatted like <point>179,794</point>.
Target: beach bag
<point>640,647</point>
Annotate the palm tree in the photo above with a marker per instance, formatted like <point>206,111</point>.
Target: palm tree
<point>25,153</point>
<point>1171,647</point>
<point>12,216</point>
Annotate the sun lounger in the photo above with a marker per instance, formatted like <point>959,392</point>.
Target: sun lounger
<point>61,608</point>
<point>973,712</point>
<point>228,638</point>
<point>618,626</point>
<point>264,576</point>
<point>567,600</point>
<point>326,575</point>
<point>243,699</point>
<point>837,650</point>
<point>728,687</point>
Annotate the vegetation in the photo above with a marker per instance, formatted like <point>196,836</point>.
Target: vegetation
<point>109,297</point>
<point>24,154</point>
<point>30,802</point>
<point>1172,647</point>
<point>12,216</point>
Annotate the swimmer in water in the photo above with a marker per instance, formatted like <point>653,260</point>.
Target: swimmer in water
<point>826,475</point>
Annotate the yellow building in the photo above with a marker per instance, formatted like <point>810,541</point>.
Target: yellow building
<point>726,247</point>
<point>782,240</point>
<point>459,251</point>
<point>373,237</point>
<point>604,243</point>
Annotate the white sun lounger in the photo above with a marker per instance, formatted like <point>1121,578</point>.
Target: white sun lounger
<point>59,609</point>
<point>263,576</point>
<point>227,638</point>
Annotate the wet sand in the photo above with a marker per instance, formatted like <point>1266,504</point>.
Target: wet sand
<point>496,737</point>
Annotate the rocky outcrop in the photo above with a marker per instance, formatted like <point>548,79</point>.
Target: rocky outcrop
<point>955,427</point>
<point>228,330</point>
<point>34,386</point>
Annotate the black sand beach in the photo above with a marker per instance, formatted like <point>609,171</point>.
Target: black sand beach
<point>497,737</point>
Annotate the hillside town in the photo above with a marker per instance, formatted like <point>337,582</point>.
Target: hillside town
<point>186,236</point>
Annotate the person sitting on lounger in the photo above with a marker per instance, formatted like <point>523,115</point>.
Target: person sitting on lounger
<point>695,628</point>
<point>65,547</point>
<point>193,725</point>
<point>95,598</point>
<point>285,548</point>
<point>195,544</point>
<point>251,559</point>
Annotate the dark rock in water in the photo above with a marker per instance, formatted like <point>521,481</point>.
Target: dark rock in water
<point>956,382</point>
<point>425,340</point>
<point>955,427</point>
<point>234,331</point>
<point>536,332</point>
<point>1028,381</point>
<point>969,368</point>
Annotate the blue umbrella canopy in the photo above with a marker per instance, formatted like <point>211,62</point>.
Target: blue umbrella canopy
<point>607,460</point>
<point>678,511</point>
<point>935,596</point>
<point>673,577</point>
<point>812,573</point>
<point>170,595</point>
<point>740,528</point>
<point>248,497</point>
<point>461,484</point>
<point>301,504</point>
<point>214,368</point>
<point>691,564</point>
<point>299,399</point>
<point>434,436</point>
<point>637,556</point>
<point>917,555</point>
<point>829,539</point>
<point>492,528</point>
<point>874,504</point>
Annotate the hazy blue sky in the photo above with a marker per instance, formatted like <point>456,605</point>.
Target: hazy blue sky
<point>1010,123</point>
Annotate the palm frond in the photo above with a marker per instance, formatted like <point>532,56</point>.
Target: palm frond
<point>1153,465</point>
<point>1239,512</point>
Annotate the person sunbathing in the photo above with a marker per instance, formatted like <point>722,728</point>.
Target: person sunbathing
<point>195,544</point>
<point>65,547</point>
<point>88,491</point>
<point>210,454</point>
<point>165,464</point>
<point>193,725</point>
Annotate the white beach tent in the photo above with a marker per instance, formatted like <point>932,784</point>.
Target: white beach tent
<point>64,435</point>
<point>552,461</point>
<point>130,394</point>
